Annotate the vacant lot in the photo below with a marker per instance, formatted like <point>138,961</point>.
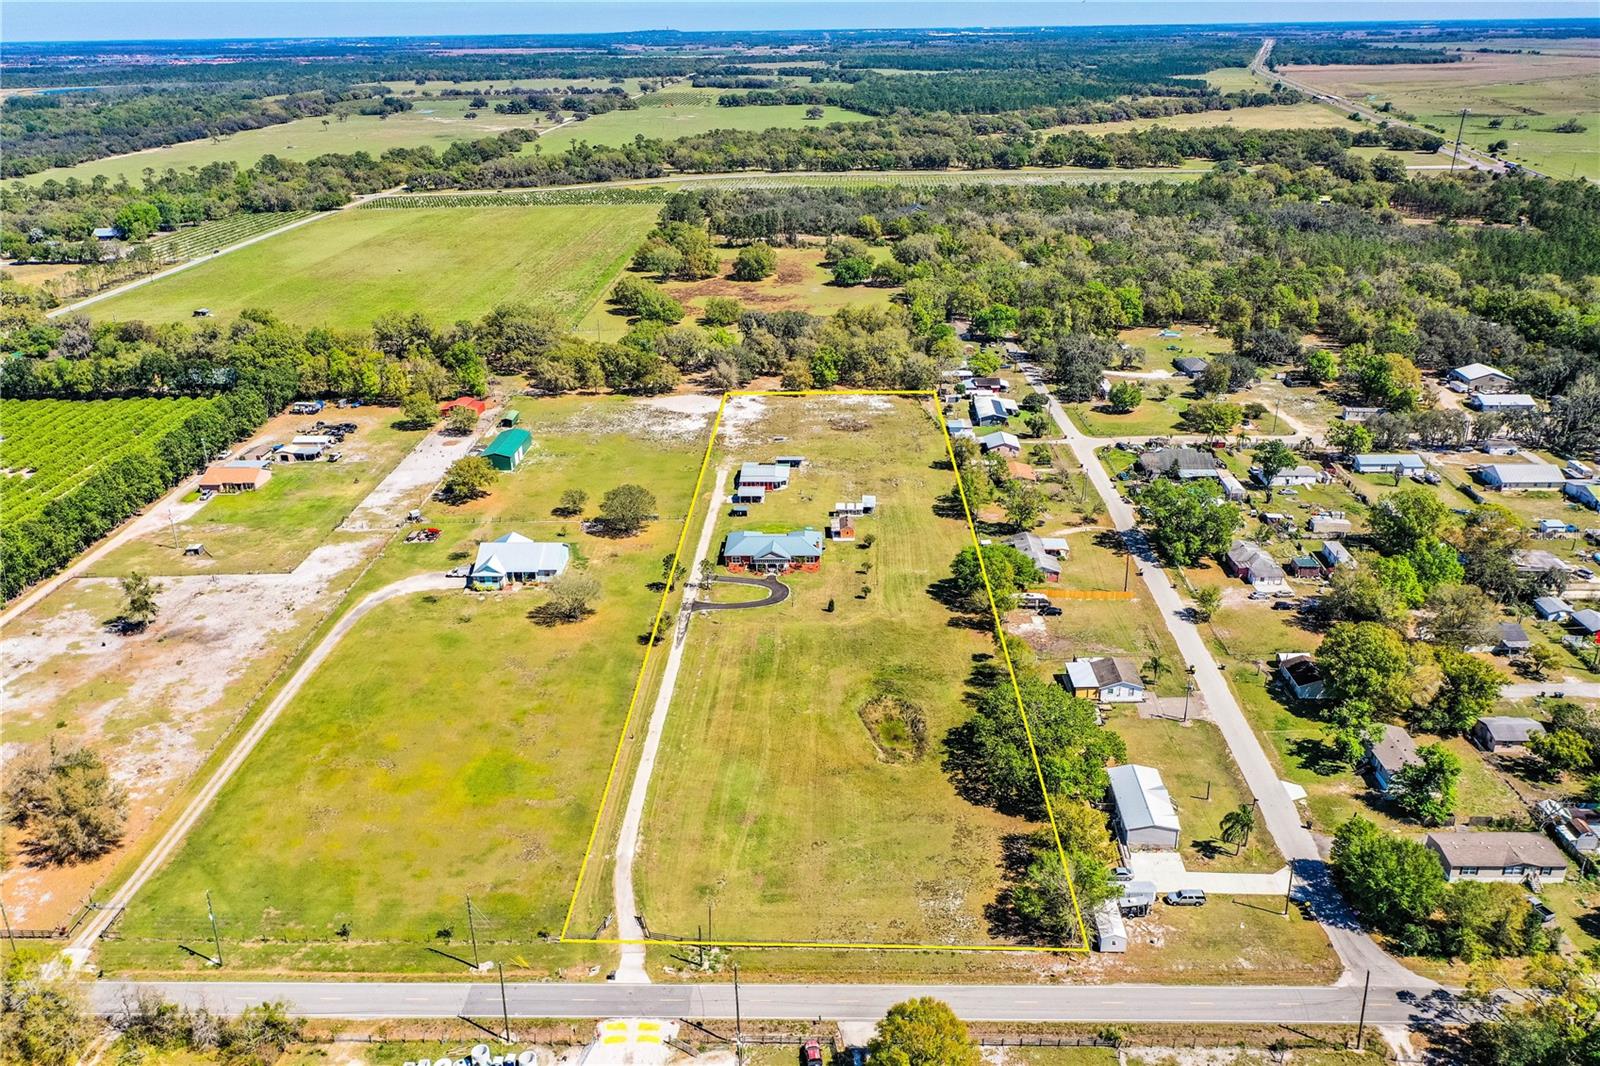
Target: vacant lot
<point>1517,98</point>
<point>448,263</point>
<point>434,123</point>
<point>692,116</point>
<point>451,746</point>
<point>803,746</point>
<point>1274,117</point>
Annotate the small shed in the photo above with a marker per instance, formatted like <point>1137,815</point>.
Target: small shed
<point>1306,566</point>
<point>1137,898</point>
<point>1497,732</point>
<point>511,417</point>
<point>1588,620</point>
<point>750,494</point>
<point>508,448</point>
<point>1110,931</point>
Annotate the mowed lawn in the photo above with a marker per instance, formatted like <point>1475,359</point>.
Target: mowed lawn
<point>431,123</point>
<point>671,121</point>
<point>774,801</point>
<point>446,262</point>
<point>450,746</point>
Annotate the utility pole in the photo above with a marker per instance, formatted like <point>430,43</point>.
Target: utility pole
<point>1362,1024</point>
<point>472,930</point>
<point>1459,127</point>
<point>738,1015</point>
<point>1127,568</point>
<point>1288,892</point>
<point>215,939</point>
<point>10,936</point>
<point>505,1013</point>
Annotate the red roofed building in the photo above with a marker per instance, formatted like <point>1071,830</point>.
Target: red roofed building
<point>476,405</point>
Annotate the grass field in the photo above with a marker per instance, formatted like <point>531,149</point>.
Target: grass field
<point>670,121</point>
<point>1151,417</point>
<point>1536,92</point>
<point>466,758</point>
<point>1231,80</point>
<point>1274,117</point>
<point>807,788</point>
<point>448,263</point>
<point>434,123</point>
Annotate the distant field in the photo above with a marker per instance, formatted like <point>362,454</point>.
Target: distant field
<point>431,122</point>
<point>446,262</point>
<point>1538,92</point>
<point>685,120</point>
<point>1231,79</point>
<point>50,447</point>
<point>1275,117</point>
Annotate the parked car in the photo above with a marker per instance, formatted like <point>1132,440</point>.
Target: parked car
<point>811,1053</point>
<point>1122,873</point>
<point>1186,897</point>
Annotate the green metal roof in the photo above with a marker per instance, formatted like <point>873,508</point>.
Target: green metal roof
<point>509,443</point>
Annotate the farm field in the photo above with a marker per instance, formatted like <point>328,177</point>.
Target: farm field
<point>466,759</point>
<point>670,121</point>
<point>813,782</point>
<point>1273,117</point>
<point>432,123</point>
<point>192,242</point>
<point>800,283</point>
<point>1535,92</point>
<point>52,446</point>
<point>449,263</point>
<point>1231,79</point>
<point>274,528</point>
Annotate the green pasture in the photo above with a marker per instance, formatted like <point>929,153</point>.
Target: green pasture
<point>671,121</point>
<point>776,801</point>
<point>1271,117</point>
<point>452,745</point>
<point>448,263</point>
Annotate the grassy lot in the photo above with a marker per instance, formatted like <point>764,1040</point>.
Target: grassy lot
<point>1273,117</point>
<point>800,283</point>
<point>670,121</point>
<point>467,758</point>
<point>432,122</point>
<point>1205,785</point>
<point>808,786</point>
<point>1159,351</point>
<point>1231,79</point>
<point>1536,92</point>
<point>273,528</point>
<point>449,263</point>
<point>1148,419</point>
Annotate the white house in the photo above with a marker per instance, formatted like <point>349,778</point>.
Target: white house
<point>1512,476</point>
<point>1145,817</point>
<point>1481,377</point>
<point>1406,463</point>
<point>1231,488</point>
<point>1496,401</point>
<point>1105,680</point>
<point>1299,475</point>
<point>1110,931</point>
<point>515,558</point>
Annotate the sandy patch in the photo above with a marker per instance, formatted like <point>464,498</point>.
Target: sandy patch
<point>405,486</point>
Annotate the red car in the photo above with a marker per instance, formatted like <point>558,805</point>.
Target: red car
<point>811,1053</point>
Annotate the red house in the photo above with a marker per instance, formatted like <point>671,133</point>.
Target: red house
<point>477,406</point>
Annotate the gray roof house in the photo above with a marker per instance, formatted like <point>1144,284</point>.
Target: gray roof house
<point>1496,732</point>
<point>1481,856</point>
<point>1300,675</point>
<point>1389,754</point>
<point>1145,817</point>
<point>1587,620</point>
<point>1583,492</point>
<point>1551,608</point>
<point>1182,462</point>
<point>1481,376</point>
<point>1494,401</point>
<point>1327,525</point>
<point>1249,562</point>
<point>1513,638</point>
<point>1046,552</point>
<point>1505,476</point>
<point>1388,463</point>
<point>1105,680</point>
<point>1190,366</point>
<point>515,558</point>
<point>1335,555</point>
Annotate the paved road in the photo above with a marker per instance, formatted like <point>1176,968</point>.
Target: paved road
<point>777,592</point>
<point>1282,819</point>
<point>993,1003</point>
<point>1522,690</point>
<point>631,968</point>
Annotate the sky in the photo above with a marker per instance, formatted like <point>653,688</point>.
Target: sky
<point>103,20</point>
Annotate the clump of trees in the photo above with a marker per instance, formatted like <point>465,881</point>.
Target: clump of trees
<point>627,509</point>
<point>66,803</point>
<point>1187,520</point>
<point>468,479</point>
<point>754,262</point>
<point>922,1032</point>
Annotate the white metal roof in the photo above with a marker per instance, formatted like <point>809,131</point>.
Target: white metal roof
<point>1142,799</point>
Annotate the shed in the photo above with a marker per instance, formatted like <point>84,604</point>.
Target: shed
<point>1306,566</point>
<point>1497,732</point>
<point>508,448</point>
<point>1584,493</point>
<point>1137,898</point>
<point>1325,525</point>
<point>1145,817</point>
<point>1110,932</point>
<point>794,462</point>
<point>302,453</point>
<point>1587,620</point>
<point>749,494</point>
<point>1335,555</point>
<point>1190,366</point>
<point>1510,401</point>
<point>1506,476</point>
<point>472,403</point>
<point>511,417</point>
<point>1231,488</point>
<point>1481,376</point>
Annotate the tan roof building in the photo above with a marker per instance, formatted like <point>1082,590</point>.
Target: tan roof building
<point>234,477</point>
<point>1474,856</point>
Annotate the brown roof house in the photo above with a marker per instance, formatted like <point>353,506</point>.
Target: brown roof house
<point>1472,856</point>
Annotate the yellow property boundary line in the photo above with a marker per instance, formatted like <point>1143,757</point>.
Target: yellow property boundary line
<point>644,666</point>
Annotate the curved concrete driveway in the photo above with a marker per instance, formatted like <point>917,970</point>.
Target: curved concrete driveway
<point>777,592</point>
<point>91,930</point>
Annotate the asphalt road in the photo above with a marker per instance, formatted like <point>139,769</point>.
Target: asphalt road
<point>990,1003</point>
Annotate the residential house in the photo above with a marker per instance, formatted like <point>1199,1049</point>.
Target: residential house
<point>1359,414</point>
<point>769,476</point>
<point>997,384</point>
<point>1046,552</point>
<point>1583,492</point>
<point>1503,402</point>
<point>1576,825</point>
<point>1306,568</point>
<point>1389,754</point>
<point>1190,366</point>
<point>299,453</point>
<point>1514,640</point>
<point>1509,476</point>
<point>958,427</point>
<point>514,558</point>
<point>1249,562</point>
<point>1535,561</point>
<point>992,410</point>
<point>1299,475</point>
<point>508,448</point>
<point>1002,442</point>
<point>1552,608</point>
<point>1497,732</point>
<point>1587,620</point>
<point>1470,855</point>
<point>1404,463</point>
<point>1329,525</point>
<point>1105,680</point>
<point>1142,808</point>
<point>105,233</point>
<point>1231,488</point>
<point>1334,555</point>
<point>237,476</point>
<point>799,549</point>
<point>471,403</point>
<point>1481,377</point>
<point>1500,446</point>
<point>1180,462</point>
<point>1300,675</point>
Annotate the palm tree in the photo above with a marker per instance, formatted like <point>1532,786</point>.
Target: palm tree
<point>1156,665</point>
<point>1237,825</point>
